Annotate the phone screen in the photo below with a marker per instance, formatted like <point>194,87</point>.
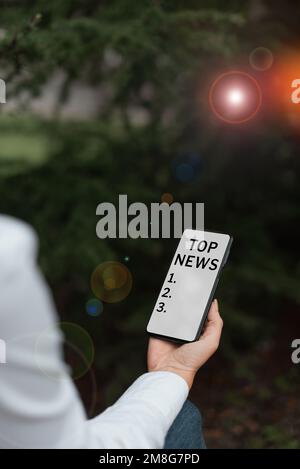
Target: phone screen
<point>185,298</point>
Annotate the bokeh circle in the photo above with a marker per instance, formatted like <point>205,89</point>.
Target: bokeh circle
<point>235,97</point>
<point>78,345</point>
<point>187,166</point>
<point>111,281</point>
<point>184,172</point>
<point>261,59</point>
<point>167,197</point>
<point>94,307</point>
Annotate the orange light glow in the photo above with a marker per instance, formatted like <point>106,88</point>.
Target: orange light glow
<point>284,87</point>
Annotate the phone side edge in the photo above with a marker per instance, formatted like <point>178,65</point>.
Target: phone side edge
<point>213,290</point>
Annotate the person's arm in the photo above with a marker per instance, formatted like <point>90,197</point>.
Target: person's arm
<point>143,415</point>
<point>39,405</point>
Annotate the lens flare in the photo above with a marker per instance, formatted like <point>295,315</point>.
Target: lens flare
<point>235,97</point>
<point>187,166</point>
<point>43,345</point>
<point>285,91</point>
<point>94,307</point>
<point>78,347</point>
<point>261,59</point>
<point>111,282</point>
<point>167,197</point>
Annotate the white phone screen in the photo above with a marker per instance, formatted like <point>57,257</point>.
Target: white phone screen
<point>187,291</point>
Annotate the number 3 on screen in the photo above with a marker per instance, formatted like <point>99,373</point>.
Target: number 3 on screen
<point>160,308</point>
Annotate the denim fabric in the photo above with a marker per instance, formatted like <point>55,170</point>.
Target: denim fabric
<point>186,430</point>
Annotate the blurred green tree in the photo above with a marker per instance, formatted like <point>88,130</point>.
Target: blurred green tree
<point>154,62</point>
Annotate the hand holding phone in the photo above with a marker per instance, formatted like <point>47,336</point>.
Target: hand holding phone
<point>185,360</point>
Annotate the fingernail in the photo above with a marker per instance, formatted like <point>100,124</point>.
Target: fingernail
<point>216,303</point>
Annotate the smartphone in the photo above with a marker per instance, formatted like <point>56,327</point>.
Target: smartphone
<point>184,301</point>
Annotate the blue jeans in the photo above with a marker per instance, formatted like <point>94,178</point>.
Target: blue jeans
<point>186,430</point>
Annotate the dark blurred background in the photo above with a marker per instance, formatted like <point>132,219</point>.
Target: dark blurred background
<point>110,97</point>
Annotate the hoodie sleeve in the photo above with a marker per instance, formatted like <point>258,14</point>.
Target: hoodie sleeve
<point>39,404</point>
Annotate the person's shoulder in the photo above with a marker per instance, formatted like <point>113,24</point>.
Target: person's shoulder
<point>18,242</point>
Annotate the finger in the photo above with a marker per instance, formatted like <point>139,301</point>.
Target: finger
<point>214,323</point>
<point>214,314</point>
